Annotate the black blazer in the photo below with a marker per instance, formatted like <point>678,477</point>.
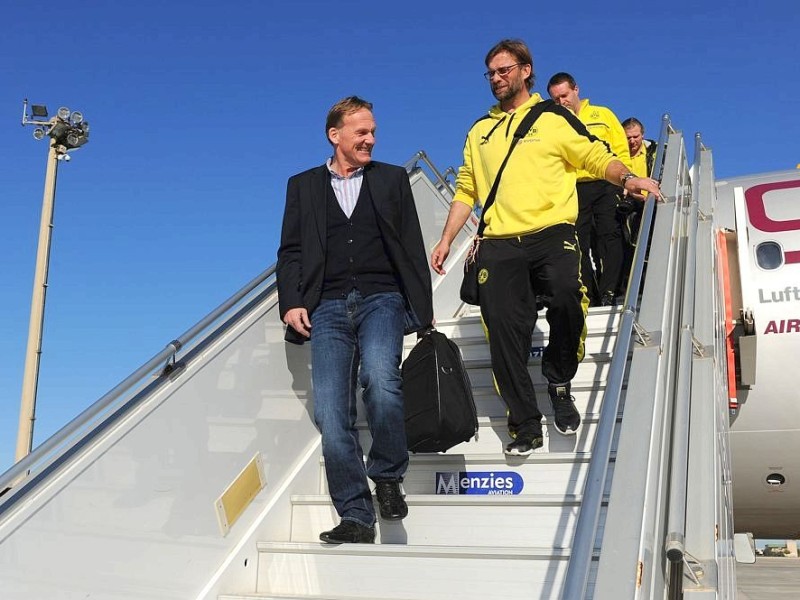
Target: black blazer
<point>301,256</point>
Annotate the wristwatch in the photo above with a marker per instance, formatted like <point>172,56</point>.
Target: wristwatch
<point>624,179</point>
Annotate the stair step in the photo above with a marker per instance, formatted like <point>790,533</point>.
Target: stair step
<point>286,597</point>
<point>588,399</point>
<point>473,343</point>
<point>598,320</point>
<point>541,473</point>
<point>383,570</point>
<point>592,370</point>
<point>493,436</point>
<point>281,597</point>
<point>477,347</point>
<point>464,520</point>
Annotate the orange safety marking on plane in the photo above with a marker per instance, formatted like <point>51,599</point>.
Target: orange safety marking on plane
<point>722,249</point>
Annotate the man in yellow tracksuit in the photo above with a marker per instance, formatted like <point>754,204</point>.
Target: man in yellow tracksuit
<point>530,247</point>
<point>629,211</point>
<point>598,226</point>
<point>642,151</point>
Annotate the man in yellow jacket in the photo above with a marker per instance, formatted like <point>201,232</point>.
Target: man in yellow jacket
<point>629,211</point>
<point>530,247</point>
<point>598,227</point>
<point>642,151</point>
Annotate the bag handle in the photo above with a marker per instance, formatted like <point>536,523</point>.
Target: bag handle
<point>521,131</point>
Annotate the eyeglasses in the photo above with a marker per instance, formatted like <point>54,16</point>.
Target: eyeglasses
<point>502,71</point>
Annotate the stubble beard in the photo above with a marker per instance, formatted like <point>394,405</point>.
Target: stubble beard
<point>512,89</point>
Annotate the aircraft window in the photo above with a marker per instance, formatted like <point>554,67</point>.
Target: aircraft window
<point>769,255</point>
<point>775,479</point>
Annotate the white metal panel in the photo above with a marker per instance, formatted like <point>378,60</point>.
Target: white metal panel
<point>134,516</point>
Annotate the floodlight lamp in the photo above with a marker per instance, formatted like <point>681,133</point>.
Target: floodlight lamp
<point>76,117</point>
<point>39,110</point>
<point>59,129</point>
<point>76,138</point>
<point>38,133</point>
<point>63,113</point>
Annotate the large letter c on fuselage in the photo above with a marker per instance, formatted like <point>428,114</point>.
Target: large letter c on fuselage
<point>757,213</point>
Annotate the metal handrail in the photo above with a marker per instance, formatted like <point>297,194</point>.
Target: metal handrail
<point>41,456</point>
<point>440,179</point>
<point>679,465</point>
<point>577,577</point>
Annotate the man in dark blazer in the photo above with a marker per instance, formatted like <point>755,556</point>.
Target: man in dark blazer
<point>353,279</point>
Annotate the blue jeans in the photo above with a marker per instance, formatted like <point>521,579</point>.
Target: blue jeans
<point>346,333</point>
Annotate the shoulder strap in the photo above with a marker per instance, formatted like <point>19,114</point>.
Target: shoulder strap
<point>521,131</point>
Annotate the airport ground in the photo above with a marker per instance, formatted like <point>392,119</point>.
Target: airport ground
<point>769,579</point>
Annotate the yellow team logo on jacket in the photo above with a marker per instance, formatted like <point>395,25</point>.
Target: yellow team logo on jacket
<point>483,275</point>
<point>569,246</point>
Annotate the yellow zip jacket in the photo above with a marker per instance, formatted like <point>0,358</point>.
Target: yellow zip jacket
<point>603,123</point>
<point>537,188</point>
<point>639,162</point>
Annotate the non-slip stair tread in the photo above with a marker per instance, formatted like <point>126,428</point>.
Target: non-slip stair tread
<point>465,340</point>
<point>465,499</point>
<point>290,597</point>
<point>287,597</point>
<point>579,387</point>
<point>597,357</point>
<point>489,421</point>
<point>395,550</point>
<point>492,458</point>
<point>473,313</point>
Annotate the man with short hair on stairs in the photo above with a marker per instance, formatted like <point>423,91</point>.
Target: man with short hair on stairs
<point>353,279</point>
<point>629,212</point>
<point>597,224</point>
<point>529,247</point>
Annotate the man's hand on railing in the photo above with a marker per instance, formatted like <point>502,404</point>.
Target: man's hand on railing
<point>638,187</point>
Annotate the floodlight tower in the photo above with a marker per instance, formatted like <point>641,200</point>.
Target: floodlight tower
<point>67,131</point>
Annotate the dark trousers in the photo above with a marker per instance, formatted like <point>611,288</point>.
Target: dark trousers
<point>599,231</point>
<point>629,221</point>
<point>514,271</point>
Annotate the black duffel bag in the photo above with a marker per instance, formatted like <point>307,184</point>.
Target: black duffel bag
<point>440,410</point>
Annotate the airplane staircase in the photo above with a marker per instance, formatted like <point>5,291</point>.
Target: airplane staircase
<point>201,475</point>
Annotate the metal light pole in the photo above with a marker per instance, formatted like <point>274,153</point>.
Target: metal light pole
<point>67,131</point>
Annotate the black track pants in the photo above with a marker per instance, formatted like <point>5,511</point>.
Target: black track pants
<point>516,270</point>
<point>599,230</point>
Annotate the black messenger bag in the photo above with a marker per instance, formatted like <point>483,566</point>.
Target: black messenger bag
<point>440,410</point>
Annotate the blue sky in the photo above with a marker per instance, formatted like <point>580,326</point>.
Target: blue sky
<point>199,112</point>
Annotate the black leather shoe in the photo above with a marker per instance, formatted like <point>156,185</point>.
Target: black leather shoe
<point>391,504</point>
<point>608,299</point>
<point>349,532</point>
